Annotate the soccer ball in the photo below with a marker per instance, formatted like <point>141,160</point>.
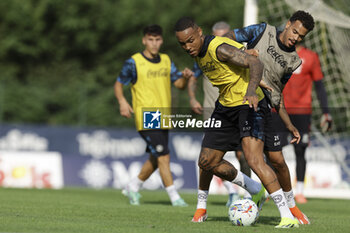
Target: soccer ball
<point>243,212</point>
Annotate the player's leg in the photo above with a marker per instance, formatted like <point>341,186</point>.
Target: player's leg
<point>211,162</point>
<point>232,192</point>
<point>300,171</point>
<point>205,177</point>
<point>253,132</point>
<point>302,123</point>
<point>159,144</point>
<point>273,150</point>
<point>244,167</point>
<point>281,169</point>
<point>167,179</point>
<point>132,189</point>
<point>148,168</point>
<point>243,163</point>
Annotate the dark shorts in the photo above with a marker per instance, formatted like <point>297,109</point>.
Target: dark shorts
<point>301,122</point>
<point>157,141</point>
<point>236,123</point>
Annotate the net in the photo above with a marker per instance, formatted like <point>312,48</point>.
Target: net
<point>331,40</point>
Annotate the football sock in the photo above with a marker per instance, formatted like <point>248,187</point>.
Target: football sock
<point>247,183</point>
<point>202,199</point>
<point>299,189</point>
<point>290,198</point>
<point>229,186</point>
<point>135,184</point>
<point>281,203</point>
<point>172,192</point>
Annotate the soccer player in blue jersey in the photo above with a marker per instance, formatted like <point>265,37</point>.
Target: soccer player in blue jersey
<point>276,49</point>
<point>150,74</point>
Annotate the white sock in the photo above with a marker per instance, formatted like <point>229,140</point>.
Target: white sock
<point>299,189</point>
<point>281,203</point>
<point>172,192</point>
<point>290,198</point>
<point>202,199</point>
<point>229,186</point>
<point>247,183</point>
<point>135,184</point>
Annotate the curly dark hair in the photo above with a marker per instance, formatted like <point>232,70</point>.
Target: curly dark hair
<point>184,23</point>
<point>305,18</point>
<point>154,30</point>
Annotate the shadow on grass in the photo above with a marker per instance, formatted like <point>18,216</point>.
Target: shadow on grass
<point>269,220</point>
<point>157,203</point>
<point>218,203</point>
<point>263,220</point>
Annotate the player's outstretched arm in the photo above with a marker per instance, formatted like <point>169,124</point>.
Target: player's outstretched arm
<point>235,56</point>
<point>124,107</point>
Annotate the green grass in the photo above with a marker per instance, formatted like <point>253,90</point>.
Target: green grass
<point>85,210</point>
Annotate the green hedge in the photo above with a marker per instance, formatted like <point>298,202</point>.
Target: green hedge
<point>59,59</point>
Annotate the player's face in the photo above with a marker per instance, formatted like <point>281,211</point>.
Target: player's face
<point>152,43</point>
<point>191,40</point>
<point>293,33</point>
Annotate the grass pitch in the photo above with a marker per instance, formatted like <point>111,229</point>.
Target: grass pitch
<point>85,210</point>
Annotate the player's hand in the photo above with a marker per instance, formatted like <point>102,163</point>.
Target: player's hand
<point>252,99</point>
<point>196,106</point>
<point>253,52</point>
<point>187,73</point>
<point>125,109</point>
<point>326,122</point>
<point>264,85</point>
<point>295,132</point>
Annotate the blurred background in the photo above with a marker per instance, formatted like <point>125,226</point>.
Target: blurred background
<point>60,122</point>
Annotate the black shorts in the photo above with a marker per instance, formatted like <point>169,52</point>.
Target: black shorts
<point>236,123</point>
<point>301,122</point>
<point>272,136</point>
<point>157,141</point>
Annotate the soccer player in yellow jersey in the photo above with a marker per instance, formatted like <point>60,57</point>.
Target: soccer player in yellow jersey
<point>211,94</point>
<point>243,111</point>
<point>150,74</point>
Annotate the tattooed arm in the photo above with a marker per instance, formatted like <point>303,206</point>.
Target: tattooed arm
<point>234,56</point>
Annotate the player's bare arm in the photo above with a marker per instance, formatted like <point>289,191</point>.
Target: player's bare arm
<point>124,107</point>
<point>282,112</point>
<point>191,89</point>
<point>235,56</point>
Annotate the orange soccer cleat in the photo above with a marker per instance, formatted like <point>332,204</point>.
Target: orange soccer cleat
<point>302,219</point>
<point>200,215</point>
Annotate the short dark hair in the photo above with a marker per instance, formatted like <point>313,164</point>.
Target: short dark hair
<point>154,30</point>
<point>184,23</point>
<point>305,18</point>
